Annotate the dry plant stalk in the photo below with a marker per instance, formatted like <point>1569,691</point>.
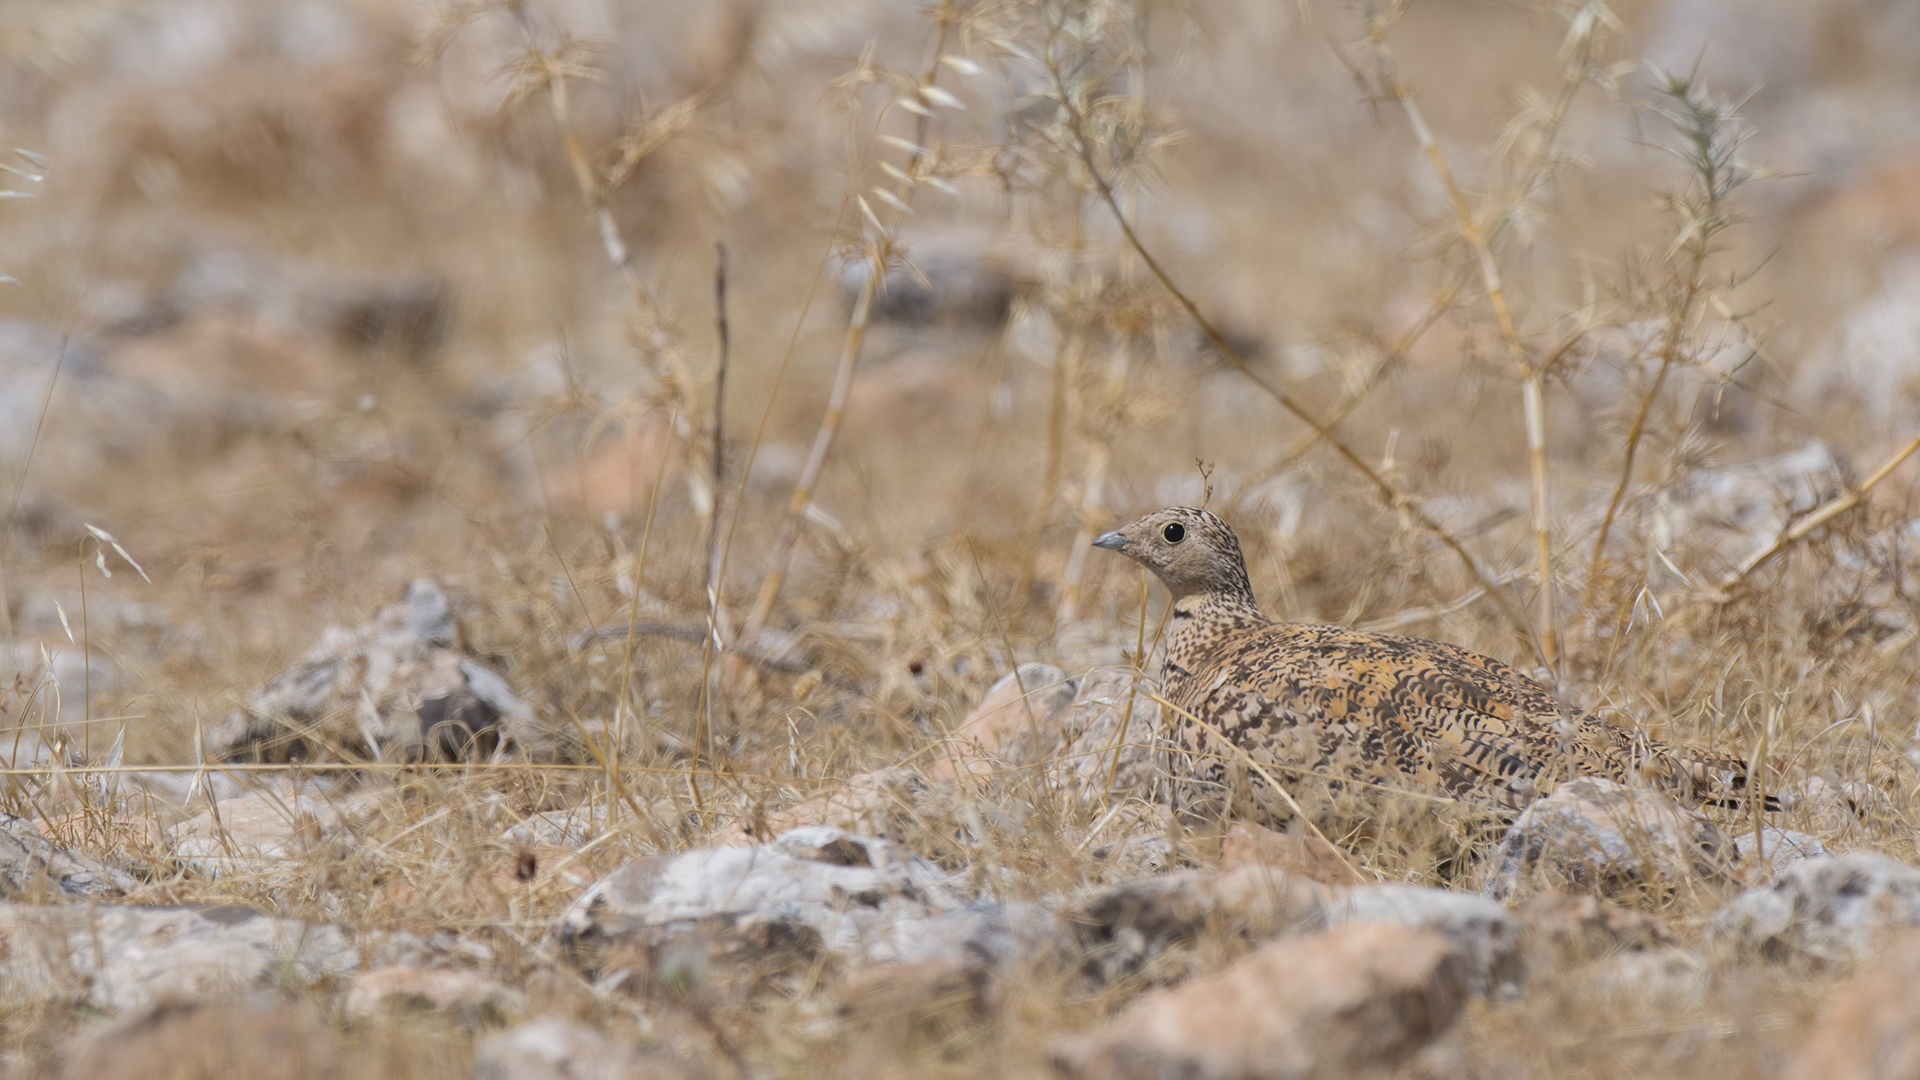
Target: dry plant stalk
<point>1800,529</point>
<point>1083,148</point>
<point>550,71</point>
<point>1709,146</point>
<point>881,249</point>
<point>1532,377</point>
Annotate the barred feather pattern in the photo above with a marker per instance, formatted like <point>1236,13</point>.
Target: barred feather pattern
<point>1397,712</point>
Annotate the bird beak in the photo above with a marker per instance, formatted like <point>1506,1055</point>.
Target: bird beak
<point>1112,541</point>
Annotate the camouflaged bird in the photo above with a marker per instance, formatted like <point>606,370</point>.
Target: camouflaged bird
<point>1399,712</point>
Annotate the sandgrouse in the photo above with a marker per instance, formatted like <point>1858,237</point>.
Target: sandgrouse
<point>1398,712</point>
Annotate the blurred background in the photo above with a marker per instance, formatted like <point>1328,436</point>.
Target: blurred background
<point>315,298</point>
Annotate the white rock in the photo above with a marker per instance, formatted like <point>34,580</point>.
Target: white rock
<point>123,957</point>
<point>35,867</point>
<point>261,833</point>
<point>815,888</point>
<point>1774,849</point>
<point>1832,909</point>
<point>396,688</point>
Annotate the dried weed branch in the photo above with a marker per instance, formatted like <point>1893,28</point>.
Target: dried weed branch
<point>1076,105</point>
<point>1532,375</point>
<point>919,97</point>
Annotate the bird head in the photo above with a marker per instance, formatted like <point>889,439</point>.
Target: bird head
<point>1188,549</point>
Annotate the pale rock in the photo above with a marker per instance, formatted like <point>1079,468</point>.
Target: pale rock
<point>567,827</point>
<point>1832,909</point>
<point>959,960</point>
<point>1486,934</point>
<point>1107,745</point>
<point>396,688</point>
<point>1825,806</point>
<point>1774,849</point>
<point>883,803</point>
<point>261,833</point>
<point>556,1049</point>
<point>1097,736</point>
<point>1344,1001</point>
<point>1872,1025</point>
<point>66,672</point>
<point>1120,928</point>
<point>1025,698</point>
<point>33,867</point>
<point>1571,927</point>
<point>469,997</point>
<point>1251,844</point>
<point>1597,834</point>
<point>815,890</point>
<point>124,957</point>
<point>1137,857</point>
<point>950,277</point>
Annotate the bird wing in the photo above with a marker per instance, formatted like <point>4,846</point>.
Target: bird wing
<point>1433,712</point>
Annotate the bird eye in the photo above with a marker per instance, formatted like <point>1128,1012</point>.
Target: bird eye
<point>1174,532</point>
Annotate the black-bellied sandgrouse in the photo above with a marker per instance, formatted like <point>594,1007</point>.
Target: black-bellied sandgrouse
<point>1342,704</point>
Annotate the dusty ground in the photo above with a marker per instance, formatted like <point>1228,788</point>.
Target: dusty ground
<point>311,302</point>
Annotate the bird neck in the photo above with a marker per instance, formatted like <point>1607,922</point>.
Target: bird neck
<point>1201,622</point>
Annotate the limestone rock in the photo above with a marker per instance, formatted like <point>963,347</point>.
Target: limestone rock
<point>957,279</point>
<point>1776,849</point>
<point>1027,697</point>
<point>1872,1025</point>
<point>957,961</point>
<point>1349,999</point>
<point>568,827</point>
<point>815,890</point>
<point>1136,857</point>
<point>1486,935</point>
<point>1597,834</point>
<point>258,833</point>
<point>1108,736</point>
<point>1832,909</point>
<point>1659,974</point>
<point>1576,926</point>
<point>882,803</point>
<point>469,997</point>
<point>124,957</point>
<point>555,1049</point>
<point>396,688</point>
<point>1123,927</point>
<point>1096,735</point>
<point>33,866</point>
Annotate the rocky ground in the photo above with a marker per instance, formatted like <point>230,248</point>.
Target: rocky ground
<point>552,539</point>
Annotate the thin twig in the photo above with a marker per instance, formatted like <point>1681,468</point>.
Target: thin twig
<point>879,252</point>
<point>1533,383</point>
<point>1800,529</point>
<point>553,74</point>
<point>724,337</point>
<point>704,709</point>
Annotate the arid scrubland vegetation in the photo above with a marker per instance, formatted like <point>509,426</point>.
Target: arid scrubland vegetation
<point>698,408</point>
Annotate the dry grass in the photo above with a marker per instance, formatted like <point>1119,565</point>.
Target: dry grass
<point>1469,319</point>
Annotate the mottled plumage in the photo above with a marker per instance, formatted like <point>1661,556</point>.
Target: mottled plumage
<point>1400,712</point>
